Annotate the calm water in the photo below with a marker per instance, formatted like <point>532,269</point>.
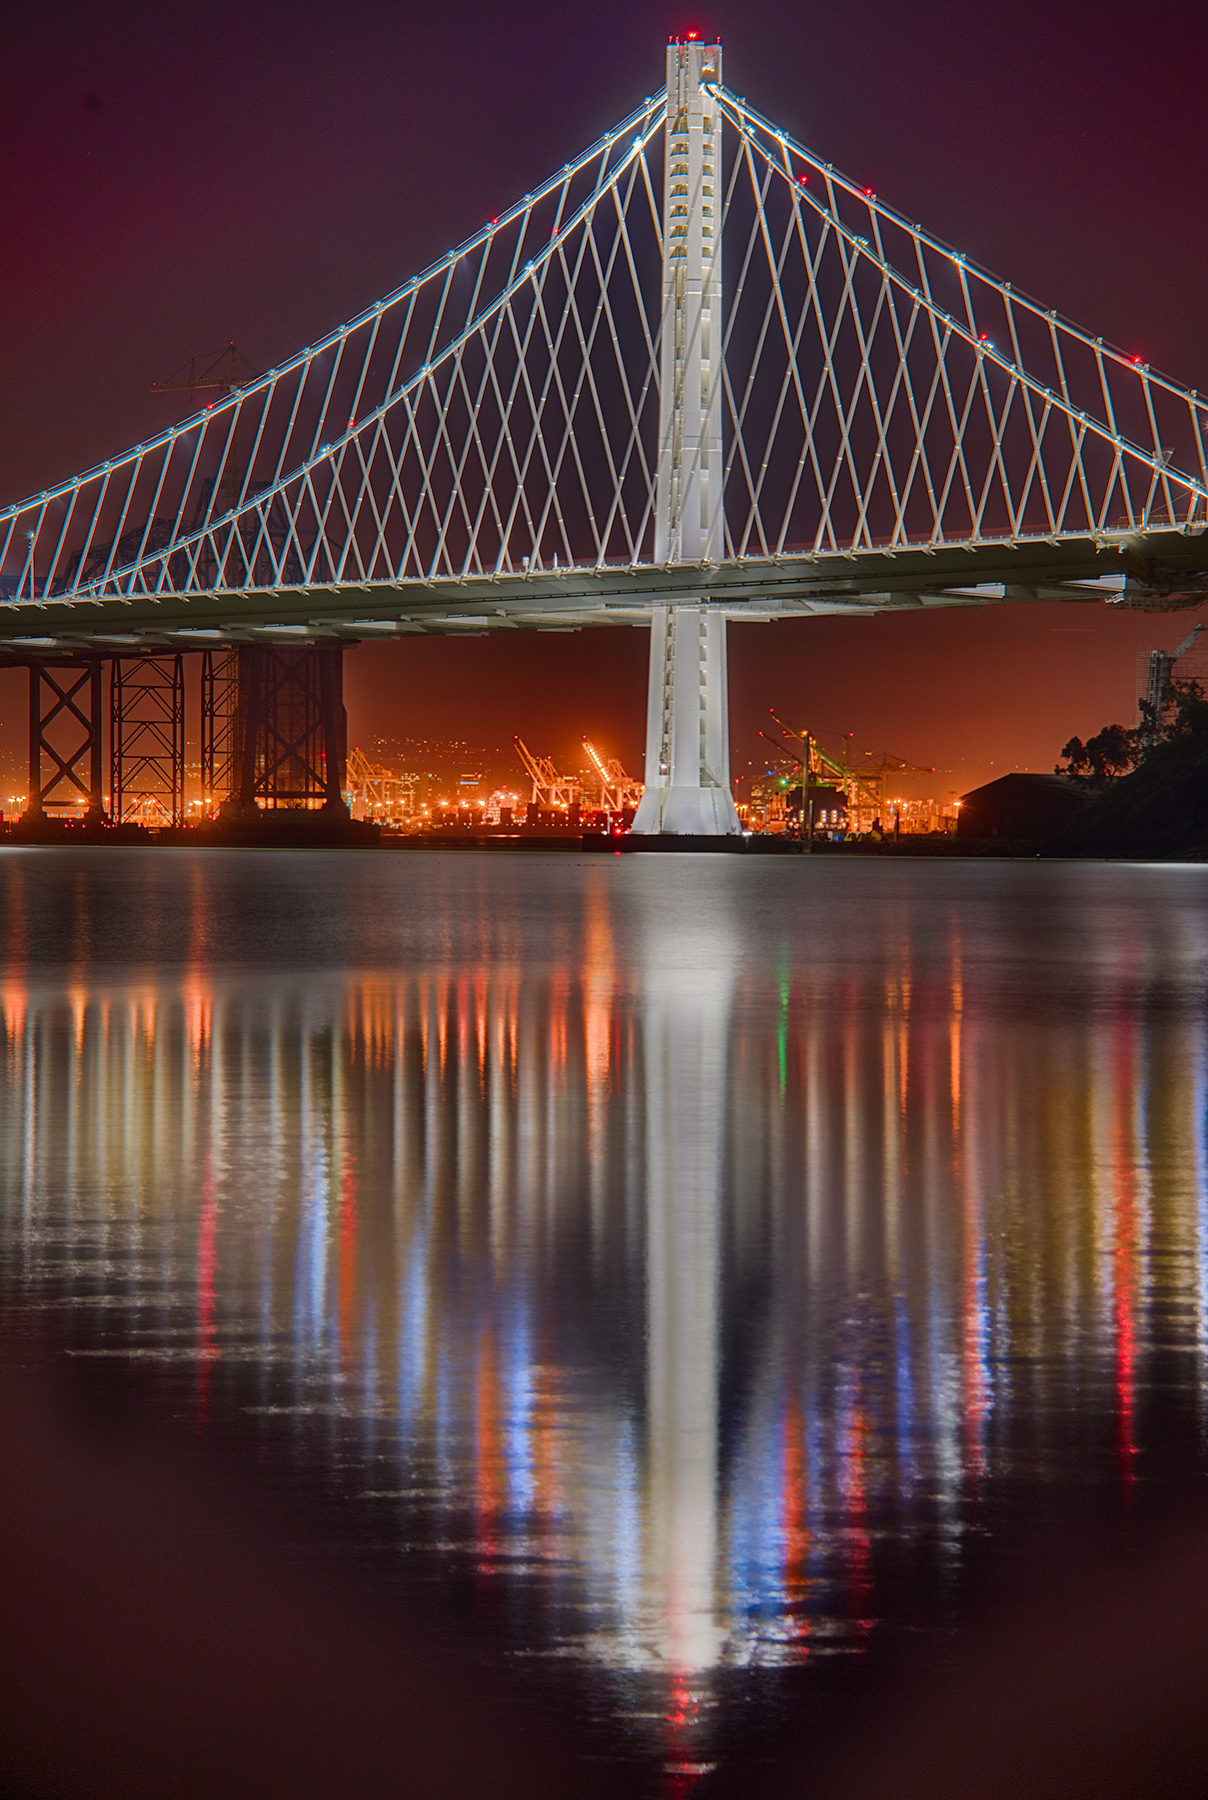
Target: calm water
<point>679,1276</point>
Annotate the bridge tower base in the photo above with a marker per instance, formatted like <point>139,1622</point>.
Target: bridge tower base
<point>273,730</point>
<point>274,748</point>
<point>687,728</point>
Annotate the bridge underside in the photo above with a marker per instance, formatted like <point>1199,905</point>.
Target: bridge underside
<point>1162,571</point>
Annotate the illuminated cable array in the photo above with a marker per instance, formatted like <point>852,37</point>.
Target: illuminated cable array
<point>497,417</point>
<point>883,390</point>
<point>474,421</point>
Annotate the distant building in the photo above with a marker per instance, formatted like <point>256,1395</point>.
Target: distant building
<point>1029,807</point>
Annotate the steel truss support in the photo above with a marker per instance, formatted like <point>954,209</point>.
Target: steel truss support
<point>291,727</point>
<point>65,725</point>
<point>687,731</point>
<point>219,729</point>
<point>147,740</point>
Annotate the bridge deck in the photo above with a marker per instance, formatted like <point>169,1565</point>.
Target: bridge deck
<point>1165,569</point>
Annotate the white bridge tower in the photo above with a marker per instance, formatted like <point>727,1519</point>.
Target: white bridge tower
<point>687,721</point>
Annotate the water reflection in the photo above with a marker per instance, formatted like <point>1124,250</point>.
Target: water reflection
<point>674,1270</point>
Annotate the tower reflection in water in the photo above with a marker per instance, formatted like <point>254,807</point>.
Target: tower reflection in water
<point>670,1279</point>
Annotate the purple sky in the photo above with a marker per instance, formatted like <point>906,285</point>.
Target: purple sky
<point>171,178</point>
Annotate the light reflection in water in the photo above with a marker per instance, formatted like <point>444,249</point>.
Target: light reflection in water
<point>673,1268</point>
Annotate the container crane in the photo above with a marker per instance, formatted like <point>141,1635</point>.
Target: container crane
<point>552,791</point>
<point>222,375</point>
<point>617,789</point>
<point>857,793</point>
<point>865,789</point>
<point>887,766</point>
<point>376,792</point>
<point>823,773</point>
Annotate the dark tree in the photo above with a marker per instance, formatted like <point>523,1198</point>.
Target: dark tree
<point>1184,712</point>
<point>1117,750</point>
<point>1112,752</point>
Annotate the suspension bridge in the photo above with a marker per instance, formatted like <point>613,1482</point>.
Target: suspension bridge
<point>697,377</point>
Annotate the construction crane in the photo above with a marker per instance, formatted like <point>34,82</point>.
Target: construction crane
<point>617,789</point>
<point>223,374</point>
<point>550,790</point>
<point>1160,674</point>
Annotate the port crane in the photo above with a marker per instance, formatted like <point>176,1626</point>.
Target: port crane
<point>822,769</point>
<point>617,789</point>
<point>552,791</point>
<point>866,789</point>
<point>376,792</point>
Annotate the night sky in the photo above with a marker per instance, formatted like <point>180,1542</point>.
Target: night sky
<point>174,177</point>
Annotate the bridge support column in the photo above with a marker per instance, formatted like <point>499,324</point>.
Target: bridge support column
<point>687,726</point>
<point>65,724</point>
<point>291,730</point>
<point>219,729</point>
<point>147,740</point>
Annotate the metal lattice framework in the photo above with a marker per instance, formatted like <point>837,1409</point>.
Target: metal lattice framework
<point>147,740</point>
<point>65,733</point>
<point>484,442</point>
